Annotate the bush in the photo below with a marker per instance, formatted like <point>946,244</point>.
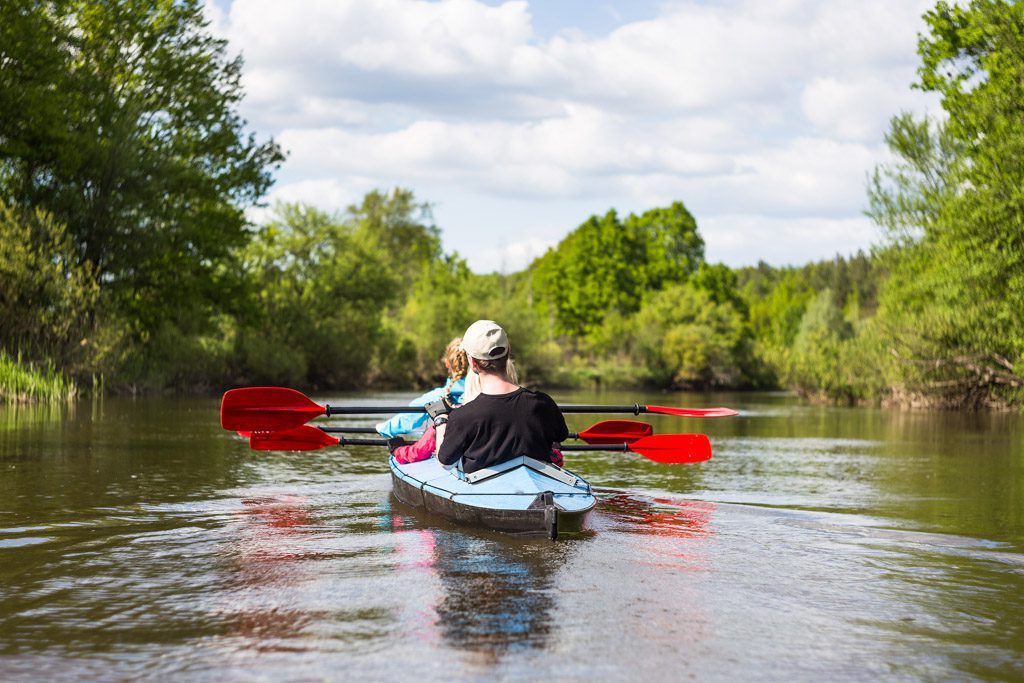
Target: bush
<point>47,296</point>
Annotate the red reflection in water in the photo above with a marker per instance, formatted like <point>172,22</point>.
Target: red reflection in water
<point>279,513</point>
<point>268,555</point>
<point>673,540</point>
<point>415,552</point>
<point>686,523</point>
<point>414,547</point>
<point>667,517</point>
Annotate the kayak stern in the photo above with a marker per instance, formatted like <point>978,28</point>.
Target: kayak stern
<point>520,496</point>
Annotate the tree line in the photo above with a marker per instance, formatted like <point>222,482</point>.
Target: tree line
<point>125,252</point>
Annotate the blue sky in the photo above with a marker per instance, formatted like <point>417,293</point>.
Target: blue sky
<point>517,120</point>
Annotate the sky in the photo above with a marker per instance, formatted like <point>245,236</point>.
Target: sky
<point>518,120</point>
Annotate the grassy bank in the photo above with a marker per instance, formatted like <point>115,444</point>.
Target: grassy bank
<point>23,382</point>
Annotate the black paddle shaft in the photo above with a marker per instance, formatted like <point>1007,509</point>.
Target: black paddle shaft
<point>348,441</point>
<point>634,409</point>
<point>371,430</point>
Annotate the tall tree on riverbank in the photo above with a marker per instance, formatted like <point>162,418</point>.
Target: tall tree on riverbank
<point>120,119</point>
<point>607,265</point>
<point>318,290</point>
<point>953,205</point>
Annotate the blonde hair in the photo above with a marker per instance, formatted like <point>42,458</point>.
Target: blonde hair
<point>457,362</point>
<point>472,389</point>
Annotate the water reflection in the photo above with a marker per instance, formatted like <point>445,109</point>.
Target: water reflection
<point>662,516</point>
<point>496,592</point>
<point>268,558</point>
<point>497,598</point>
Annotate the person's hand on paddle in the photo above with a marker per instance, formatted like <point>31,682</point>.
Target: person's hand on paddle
<point>439,411</point>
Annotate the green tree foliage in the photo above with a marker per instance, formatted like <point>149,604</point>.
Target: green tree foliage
<point>508,299</point>
<point>607,265</point>
<point>687,340</point>
<point>592,271</point>
<point>398,225</point>
<point>47,297</point>
<point>953,204</point>
<point>816,363</point>
<point>436,309</point>
<point>672,250</point>
<point>775,317</point>
<point>320,291</point>
<point>779,300</point>
<point>722,285</point>
<point>119,118</point>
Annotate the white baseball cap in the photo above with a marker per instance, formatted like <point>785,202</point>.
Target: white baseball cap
<point>485,340</point>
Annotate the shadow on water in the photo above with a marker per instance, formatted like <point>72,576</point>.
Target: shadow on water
<point>501,595</point>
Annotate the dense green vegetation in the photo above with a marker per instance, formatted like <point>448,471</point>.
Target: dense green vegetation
<point>125,253</point>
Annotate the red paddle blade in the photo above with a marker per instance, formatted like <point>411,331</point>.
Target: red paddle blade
<point>616,431</point>
<point>675,449</point>
<point>692,412</point>
<point>264,409</point>
<point>304,438</point>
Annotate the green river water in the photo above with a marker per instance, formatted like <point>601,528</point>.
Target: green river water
<point>140,540</point>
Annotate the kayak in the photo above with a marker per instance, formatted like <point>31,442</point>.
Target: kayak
<point>521,495</point>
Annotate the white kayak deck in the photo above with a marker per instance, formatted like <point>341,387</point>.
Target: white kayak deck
<point>512,485</point>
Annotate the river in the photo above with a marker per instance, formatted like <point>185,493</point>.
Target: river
<point>140,540</point>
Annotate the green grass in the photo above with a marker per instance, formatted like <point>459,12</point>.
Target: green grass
<point>23,382</point>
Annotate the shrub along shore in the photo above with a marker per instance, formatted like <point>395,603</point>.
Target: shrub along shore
<point>23,382</point>
<point>125,252</point>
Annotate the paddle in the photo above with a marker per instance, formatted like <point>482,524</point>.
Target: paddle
<point>275,408</point>
<point>606,431</point>
<point>614,431</point>
<point>663,448</point>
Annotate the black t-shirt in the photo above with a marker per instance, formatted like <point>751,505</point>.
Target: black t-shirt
<point>491,429</point>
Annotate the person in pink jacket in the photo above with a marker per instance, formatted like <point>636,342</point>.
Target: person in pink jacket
<point>457,364</point>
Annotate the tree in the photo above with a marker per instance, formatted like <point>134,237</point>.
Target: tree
<point>608,265</point>
<point>953,205</point>
<point>120,119</point>
<point>815,365</point>
<point>722,285</point>
<point>321,292</point>
<point>437,308</point>
<point>595,269</point>
<point>673,249</point>
<point>400,226</point>
<point>686,340</point>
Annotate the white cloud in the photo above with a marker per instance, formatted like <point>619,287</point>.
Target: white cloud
<point>856,109</point>
<point>328,194</point>
<point>509,258</point>
<point>738,108</point>
<point>743,239</point>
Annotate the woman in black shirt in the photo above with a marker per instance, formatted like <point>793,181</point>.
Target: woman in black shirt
<point>505,420</point>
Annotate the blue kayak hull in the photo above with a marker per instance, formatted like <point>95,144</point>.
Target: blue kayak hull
<point>521,496</point>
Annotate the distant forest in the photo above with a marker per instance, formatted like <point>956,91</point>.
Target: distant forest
<point>127,263</point>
